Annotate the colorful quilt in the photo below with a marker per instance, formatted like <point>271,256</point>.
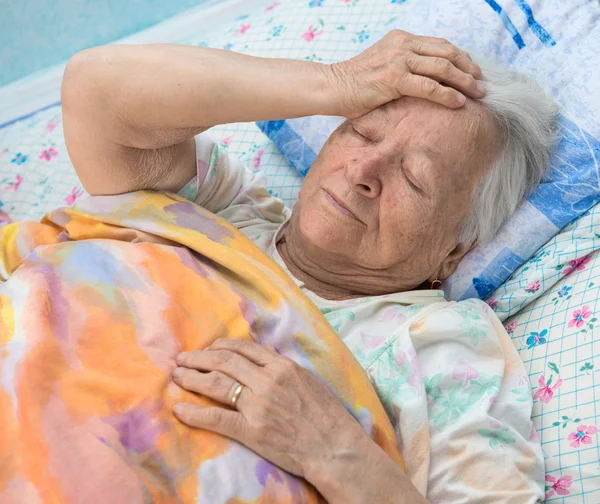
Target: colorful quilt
<point>95,304</point>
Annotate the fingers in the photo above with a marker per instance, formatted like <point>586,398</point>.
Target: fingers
<point>459,58</point>
<point>220,420</point>
<point>442,70</point>
<point>226,362</point>
<point>254,352</point>
<point>215,385</point>
<point>429,89</point>
<point>441,41</point>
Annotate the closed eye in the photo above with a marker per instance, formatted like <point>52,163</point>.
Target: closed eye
<point>409,177</point>
<point>358,133</point>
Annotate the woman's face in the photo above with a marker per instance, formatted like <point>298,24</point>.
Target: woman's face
<point>386,197</point>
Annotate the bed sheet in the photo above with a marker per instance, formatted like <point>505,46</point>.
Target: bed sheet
<point>557,338</point>
<point>36,174</point>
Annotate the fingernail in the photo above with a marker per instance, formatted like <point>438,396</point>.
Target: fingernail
<point>480,89</point>
<point>178,408</point>
<point>461,99</point>
<point>178,372</point>
<point>180,358</point>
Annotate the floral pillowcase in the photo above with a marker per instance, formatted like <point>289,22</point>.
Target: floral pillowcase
<point>555,334</point>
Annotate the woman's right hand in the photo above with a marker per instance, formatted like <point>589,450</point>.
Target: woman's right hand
<point>402,64</point>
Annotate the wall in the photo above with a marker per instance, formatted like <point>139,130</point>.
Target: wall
<point>38,33</point>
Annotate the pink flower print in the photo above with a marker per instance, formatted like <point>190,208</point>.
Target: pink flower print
<point>510,328</point>
<point>311,33</point>
<point>400,358</point>
<point>48,154</point>
<point>14,186</point>
<point>559,485</point>
<point>226,141</point>
<point>492,303</point>
<point>577,265</point>
<point>272,6</point>
<point>52,125</point>
<point>579,316</point>
<point>75,193</point>
<point>372,341</point>
<point>463,372</point>
<point>393,314</point>
<point>582,435</point>
<point>533,286</point>
<point>18,180</point>
<point>243,29</point>
<point>545,392</point>
<point>533,437</point>
<point>416,380</point>
<point>256,160</point>
<point>3,151</point>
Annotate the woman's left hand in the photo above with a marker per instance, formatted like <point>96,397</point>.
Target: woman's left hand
<point>283,412</point>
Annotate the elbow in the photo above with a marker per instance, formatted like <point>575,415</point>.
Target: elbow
<point>82,76</point>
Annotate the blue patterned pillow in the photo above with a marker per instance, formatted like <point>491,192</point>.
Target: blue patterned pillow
<point>557,43</point>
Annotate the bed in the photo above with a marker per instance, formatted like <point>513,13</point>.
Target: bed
<point>549,304</point>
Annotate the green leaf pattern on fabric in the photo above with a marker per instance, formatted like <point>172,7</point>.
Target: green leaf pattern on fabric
<point>499,436</point>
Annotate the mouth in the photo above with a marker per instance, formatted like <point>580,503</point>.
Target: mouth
<point>337,204</point>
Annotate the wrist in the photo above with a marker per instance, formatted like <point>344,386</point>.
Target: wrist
<point>362,474</point>
<point>335,89</point>
<point>332,477</point>
<point>339,474</point>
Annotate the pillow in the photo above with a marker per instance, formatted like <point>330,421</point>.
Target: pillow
<point>36,174</point>
<point>568,253</point>
<point>556,43</point>
<point>557,339</point>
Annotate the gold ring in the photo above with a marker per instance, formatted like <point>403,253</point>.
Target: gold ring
<point>236,395</point>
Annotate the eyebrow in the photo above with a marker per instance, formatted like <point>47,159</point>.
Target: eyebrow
<point>430,153</point>
<point>379,118</point>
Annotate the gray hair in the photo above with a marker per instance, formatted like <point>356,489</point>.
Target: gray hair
<point>528,120</point>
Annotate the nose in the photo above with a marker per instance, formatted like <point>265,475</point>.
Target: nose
<point>364,174</point>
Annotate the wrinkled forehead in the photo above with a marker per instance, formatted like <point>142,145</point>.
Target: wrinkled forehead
<point>451,135</point>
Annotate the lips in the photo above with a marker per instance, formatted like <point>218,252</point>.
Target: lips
<point>337,203</point>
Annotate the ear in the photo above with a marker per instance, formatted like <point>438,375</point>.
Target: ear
<point>449,264</point>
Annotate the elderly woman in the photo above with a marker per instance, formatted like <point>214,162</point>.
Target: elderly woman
<point>432,160</point>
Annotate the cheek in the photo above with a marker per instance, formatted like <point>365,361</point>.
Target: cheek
<point>404,226</point>
<point>332,157</point>
<point>323,230</point>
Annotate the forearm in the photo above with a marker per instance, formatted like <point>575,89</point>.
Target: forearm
<point>178,90</point>
<point>363,475</point>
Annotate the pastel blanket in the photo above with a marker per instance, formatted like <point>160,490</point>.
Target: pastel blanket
<point>95,303</point>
